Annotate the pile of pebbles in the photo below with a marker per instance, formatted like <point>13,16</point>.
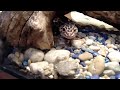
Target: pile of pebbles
<point>94,55</point>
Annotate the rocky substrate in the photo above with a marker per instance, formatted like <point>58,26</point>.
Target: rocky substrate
<point>94,55</point>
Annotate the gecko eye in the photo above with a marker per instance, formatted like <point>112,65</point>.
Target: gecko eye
<point>63,29</point>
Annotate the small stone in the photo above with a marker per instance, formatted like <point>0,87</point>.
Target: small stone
<point>92,37</point>
<point>114,56</point>
<point>109,72</point>
<point>110,40</point>
<point>103,52</point>
<point>95,48</point>
<point>81,35</point>
<point>67,68</point>
<point>88,62</point>
<point>111,50</point>
<point>117,76</point>
<point>107,60</point>
<point>95,77</point>
<point>113,35</point>
<point>76,51</point>
<point>112,77</point>
<point>16,58</point>
<point>83,64</point>
<point>97,66</point>
<point>106,77</point>
<point>34,55</point>
<point>89,42</point>
<point>75,56</point>
<point>51,76</point>
<point>87,77</point>
<point>54,56</point>
<point>27,68</point>
<point>111,46</point>
<point>85,56</point>
<point>25,63</point>
<point>113,66</point>
<point>101,39</point>
<point>78,43</point>
<point>95,54</point>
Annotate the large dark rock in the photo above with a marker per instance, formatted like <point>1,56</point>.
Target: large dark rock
<point>27,28</point>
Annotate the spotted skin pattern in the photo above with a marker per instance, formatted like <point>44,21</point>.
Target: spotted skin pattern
<point>68,30</point>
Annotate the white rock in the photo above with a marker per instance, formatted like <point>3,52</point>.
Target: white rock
<point>97,66</point>
<point>89,41</point>
<point>85,56</point>
<point>42,68</point>
<point>34,55</point>
<point>109,72</point>
<point>78,43</point>
<point>103,52</point>
<point>113,66</point>
<point>114,56</point>
<point>54,56</point>
<point>67,68</point>
<point>95,48</point>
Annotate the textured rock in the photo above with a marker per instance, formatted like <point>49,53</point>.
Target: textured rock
<point>41,68</point>
<point>109,72</point>
<point>16,58</point>
<point>85,56</point>
<point>27,28</point>
<point>114,56</point>
<point>97,66</point>
<point>113,66</point>
<point>54,56</point>
<point>34,55</point>
<point>67,68</point>
<point>78,43</point>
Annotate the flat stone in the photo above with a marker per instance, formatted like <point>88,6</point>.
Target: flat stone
<point>114,56</point>
<point>54,56</point>
<point>109,72</point>
<point>85,56</point>
<point>97,66</point>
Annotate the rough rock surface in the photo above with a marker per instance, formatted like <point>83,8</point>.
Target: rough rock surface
<point>34,55</point>
<point>27,28</point>
<point>67,68</point>
<point>54,56</point>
